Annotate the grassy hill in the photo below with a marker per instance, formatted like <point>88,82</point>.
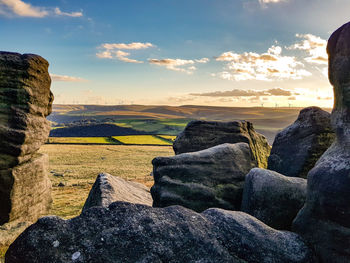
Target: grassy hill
<point>86,120</point>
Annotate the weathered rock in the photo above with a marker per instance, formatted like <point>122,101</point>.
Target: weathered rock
<point>199,180</point>
<point>25,190</point>
<point>25,101</point>
<point>127,232</point>
<point>200,135</point>
<point>273,198</point>
<point>297,148</point>
<point>108,189</point>
<point>325,218</point>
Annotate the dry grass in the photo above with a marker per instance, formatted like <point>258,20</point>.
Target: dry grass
<point>80,164</point>
<point>142,140</point>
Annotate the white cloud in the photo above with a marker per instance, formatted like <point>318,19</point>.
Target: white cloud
<point>183,65</point>
<point>20,8</point>
<point>64,78</point>
<point>134,45</point>
<point>314,46</point>
<point>73,14</point>
<point>114,51</point>
<point>268,66</point>
<point>264,3</point>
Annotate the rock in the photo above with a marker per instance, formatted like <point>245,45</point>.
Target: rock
<point>325,218</point>
<point>108,189</point>
<point>199,180</point>
<point>25,100</point>
<point>127,232</point>
<point>61,184</point>
<point>273,198</point>
<point>200,135</point>
<point>297,148</point>
<point>25,190</point>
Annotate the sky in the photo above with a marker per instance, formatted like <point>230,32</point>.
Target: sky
<point>245,53</point>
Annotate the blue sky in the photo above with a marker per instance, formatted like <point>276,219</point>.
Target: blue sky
<point>206,52</point>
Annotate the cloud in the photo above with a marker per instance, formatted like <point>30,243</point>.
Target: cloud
<point>268,66</point>
<point>314,46</point>
<point>114,51</point>
<point>246,93</point>
<point>134,45</point>
<point>64,78</point>
<point>73,14</point>
<point>264,3</point>
<point>19,8</point>
<point>183,65</point>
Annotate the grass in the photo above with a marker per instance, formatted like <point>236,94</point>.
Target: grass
<point>142,140</point>
<point>82,140</point>
<point>80,164</point>
<point>168,137</point>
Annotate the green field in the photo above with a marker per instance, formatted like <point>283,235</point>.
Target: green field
<point>160,140</point>
<point>81,140</point>
<point>142,140</point>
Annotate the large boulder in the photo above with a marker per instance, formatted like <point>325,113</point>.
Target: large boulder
<point>297,148</point>
<point>200,135</point>
<point>199,180</point>
<point>273,198</point>
<point>325,219</point>
<point>25,101</point>
<point>108,189</point>
<point>127,232</point>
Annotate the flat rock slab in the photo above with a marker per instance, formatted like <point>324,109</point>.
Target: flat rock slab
<point>297,148</point>
<point>199,180</point>
<point>200,135</point>
<point>108,189</point>
<point>127,232</point>
<point>25,190</point>
<point>273,198</point>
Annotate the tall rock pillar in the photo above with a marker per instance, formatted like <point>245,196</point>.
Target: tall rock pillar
<point>25,101</point>
<point>325,219</point>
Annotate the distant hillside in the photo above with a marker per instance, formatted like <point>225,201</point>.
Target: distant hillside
<point>166,119</point>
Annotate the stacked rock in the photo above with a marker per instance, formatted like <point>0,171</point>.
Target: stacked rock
<point>199,135</point>
<point>297,148</point>
<point>325,219</point>
<point>25,101</point>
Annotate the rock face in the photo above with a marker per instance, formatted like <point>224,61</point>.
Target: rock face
<point>25,100</point>
<point>199,180</point>
<point>325,218</point>
<point>137,233</point>
<point>273,198</point>
<point>108,189</point>
<point>200,135</point>
<point>297,148</point>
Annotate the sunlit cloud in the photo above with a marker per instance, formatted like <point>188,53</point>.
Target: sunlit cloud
<point>72,14</point>
<point>20,8</point>
<point>114,51</point>
<point>55,77</point>
<point>265,3</point>
<point>268,66</point>
<point>314,46</point>
<point>246,93</point>
<point>182,65</point>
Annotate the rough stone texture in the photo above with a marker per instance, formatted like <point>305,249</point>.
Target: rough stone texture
<point>127,232</point>
<point>297,148</point>
<point>108,189</point>
<point>325,218</point>
<point>200,135</point>
<point>199,180</point>
<point>25,101</point>
<point>273,198</point>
